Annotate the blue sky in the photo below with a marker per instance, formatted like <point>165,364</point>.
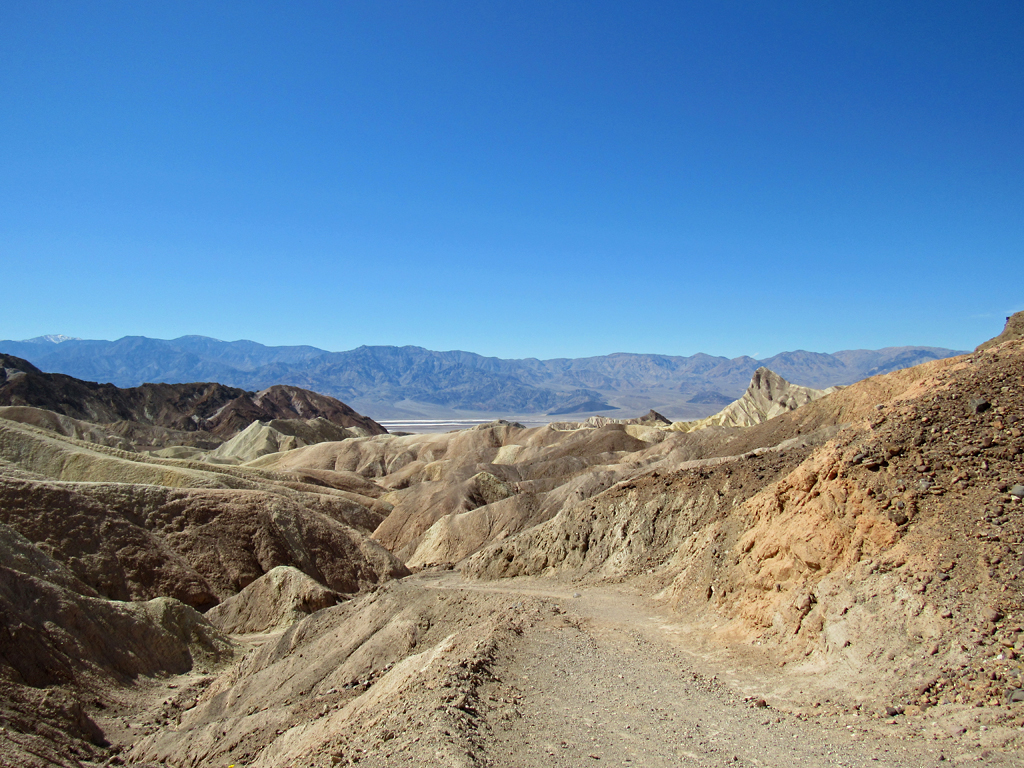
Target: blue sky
<point>516,179</point>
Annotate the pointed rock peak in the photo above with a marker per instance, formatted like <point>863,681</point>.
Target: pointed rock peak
<point>653,417</point>
<point>769,395</point>
<point>767,381</point>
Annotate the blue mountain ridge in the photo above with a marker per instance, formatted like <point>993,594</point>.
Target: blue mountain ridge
<point>454,379</point>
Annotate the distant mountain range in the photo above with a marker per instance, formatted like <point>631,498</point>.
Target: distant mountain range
<point>403,382</point>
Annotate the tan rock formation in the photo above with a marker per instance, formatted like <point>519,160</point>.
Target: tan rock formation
<point>262,438</point>
<point>769,395</point>
<point>281,596</point>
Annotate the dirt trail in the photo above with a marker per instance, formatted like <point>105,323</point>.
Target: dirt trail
<point>604,677</point>
<point>524,673</point>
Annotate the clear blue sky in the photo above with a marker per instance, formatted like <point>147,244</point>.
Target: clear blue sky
<point>514,178</point>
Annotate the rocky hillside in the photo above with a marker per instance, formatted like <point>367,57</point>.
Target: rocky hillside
<point>211,408</point>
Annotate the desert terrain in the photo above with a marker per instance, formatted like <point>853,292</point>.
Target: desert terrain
<point>204,577</point>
